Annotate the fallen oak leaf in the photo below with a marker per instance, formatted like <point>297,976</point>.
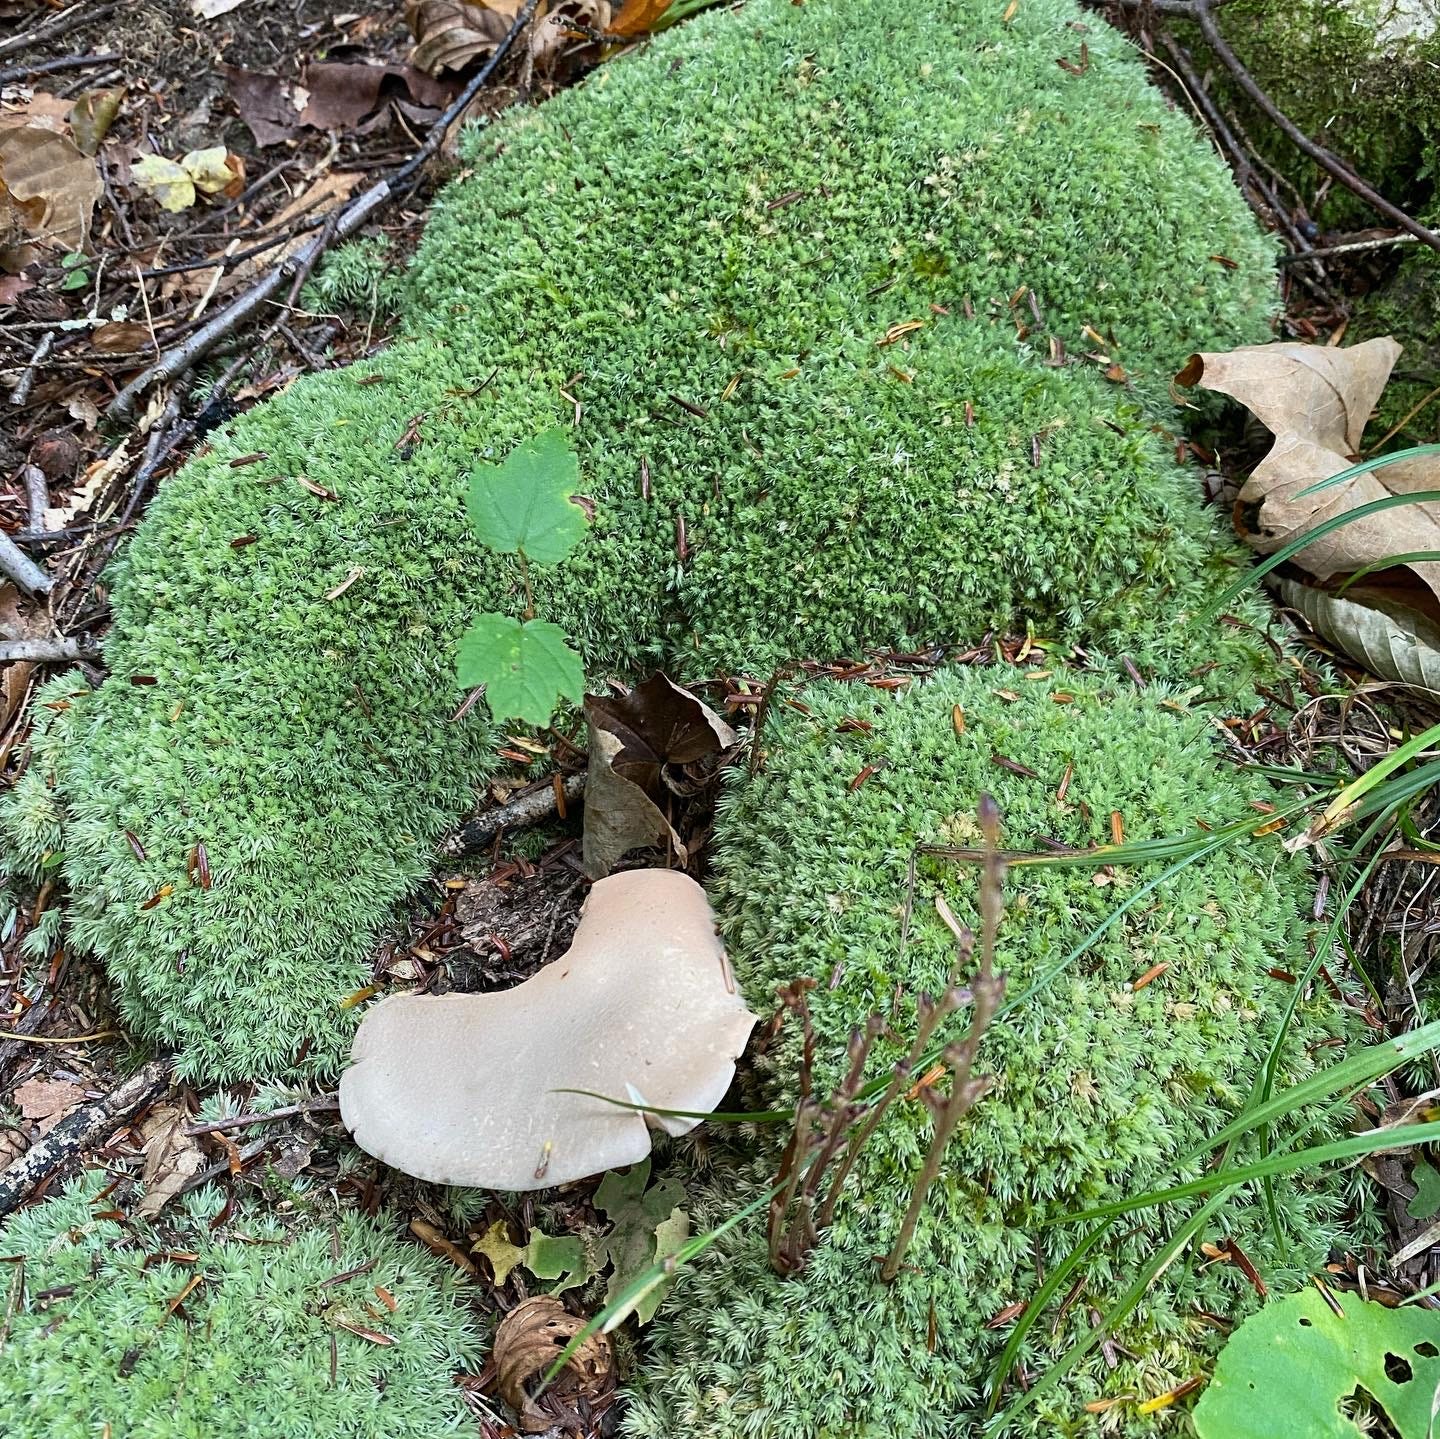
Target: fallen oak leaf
<point>636,17</point>
<point>1316,400</point>
<point>172,1158</point>
<point>52,189</point>
<point>449,34</point>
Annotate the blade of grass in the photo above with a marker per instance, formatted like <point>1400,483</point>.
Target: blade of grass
<point>1373,1141</point>
<point>1363,467</point>
<point>1287,551</point>
<point>1349,796</point>
<point>1411,557</point>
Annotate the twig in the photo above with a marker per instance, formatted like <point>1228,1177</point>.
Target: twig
<point>37,496</point>
<point>351,216</point>
<point>533,808</point>
<point>966,1090</point>
<point>1403,421</point>
<point>78,1131</point>
<point>286,1111</point>
<point>48,652</point>
<point>61,24</point>
<point>1352,247</point>
<point>22,569</point>
<point>251,1151</point>
<point>21,392</point>
<point>49,67</point>
<point>1200,12</point>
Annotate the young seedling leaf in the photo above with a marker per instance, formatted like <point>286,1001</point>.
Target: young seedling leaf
<point>1426,1201</point>
<point>648,1226</point>
<point>496,1246</point>
<point>1286,1369</point>
<point>525,502</point>
<point>527,669</point>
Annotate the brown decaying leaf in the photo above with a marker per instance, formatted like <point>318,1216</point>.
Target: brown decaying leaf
<point>47,1100</point>
<point>635,17</point>
<point>1388,635</point>
<point>552,35</point>
<point>449,34</point>
<point>51,189</point>
<point>640,746</point>
<point>1316,400</point>
<point>529,1340</point>
<point>172,1157</point>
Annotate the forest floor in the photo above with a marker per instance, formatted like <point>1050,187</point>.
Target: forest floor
<point>308,107</point>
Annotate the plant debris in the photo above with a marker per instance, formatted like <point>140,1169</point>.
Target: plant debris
<point>528,1342</point>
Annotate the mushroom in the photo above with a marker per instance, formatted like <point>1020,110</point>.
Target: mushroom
<point>479,1089</point>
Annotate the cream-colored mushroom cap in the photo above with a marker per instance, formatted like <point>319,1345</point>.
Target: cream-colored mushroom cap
<point>471,1088</point>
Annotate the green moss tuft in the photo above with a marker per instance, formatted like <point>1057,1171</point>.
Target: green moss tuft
<point>734,218</point>
<point>93,1347</point>
<point>1101,1086</point>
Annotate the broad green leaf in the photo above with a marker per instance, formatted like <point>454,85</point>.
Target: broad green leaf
<point>545,1256</point>
<point>648,1226</point>
<point>526,668</point>
<point>1426,1202</point>
<point>1286,1369</point>
<point>524,503</point>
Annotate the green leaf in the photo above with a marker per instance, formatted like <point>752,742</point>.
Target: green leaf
<point>1427,1192</point>
<point>1286,1369</point>
<point>545,1256</point>
<point>648,1226</point>
<point>524,503</point>
<point>526,668</point>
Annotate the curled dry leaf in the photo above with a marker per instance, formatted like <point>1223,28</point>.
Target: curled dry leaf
<point>1316,400</point>
<point>1382,629</point>
<point>48,191</point>
<point>172,1158</point>
<point>555,33</point>
<point>174,183</point>
<point>449,34</point>
<point>529,1340</point>
<point>500,1090</point>
<point>92,117</point>
<point>656,741</point>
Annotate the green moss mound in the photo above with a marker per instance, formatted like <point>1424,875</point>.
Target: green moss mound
<point>777,261</point>
<point>92,1346</point>
<point>1101,1085</point>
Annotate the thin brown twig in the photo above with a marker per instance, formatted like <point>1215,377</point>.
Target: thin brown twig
<point>1327,160</point>
<point>62,62</point>
<point>320,1103</point>
<point>58,25</point>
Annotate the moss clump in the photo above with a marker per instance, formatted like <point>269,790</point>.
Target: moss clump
<point>1359,76</point>
<point>94,1347</point>
<point>732,221</point>
<point>1101,1085</point>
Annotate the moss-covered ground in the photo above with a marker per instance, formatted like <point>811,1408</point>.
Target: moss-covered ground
<point>157,1333</point>
<point>829,275</point>
<point>1104,1078</point>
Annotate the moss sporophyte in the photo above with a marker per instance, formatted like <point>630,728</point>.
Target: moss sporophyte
<point>797,270</point>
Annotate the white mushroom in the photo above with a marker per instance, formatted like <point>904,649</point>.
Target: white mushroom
<point>472,1088</point>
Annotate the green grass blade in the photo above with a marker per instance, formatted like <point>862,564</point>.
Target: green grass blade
<point>1373,1141</point>
<point>1411,557</point>
<point>1376,462</point>
<point>1287,551</point>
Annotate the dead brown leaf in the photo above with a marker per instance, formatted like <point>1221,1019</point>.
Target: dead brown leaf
<point>556,34</point>
<point>268,105</point>
<point>119,337</point>
<point>51,188</point>
<point>47,1100</point>
<point>635,17</point>
<point>529,1340</point>
<point>92,117</point>
<point>646,747</point>
<point>449,34</point>
<point>172,1157</point>
<point>1316,400</point>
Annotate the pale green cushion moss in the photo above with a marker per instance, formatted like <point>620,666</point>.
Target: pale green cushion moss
<point>1101,1086</point>
<point>734,216</point>
<point>92,1349</point>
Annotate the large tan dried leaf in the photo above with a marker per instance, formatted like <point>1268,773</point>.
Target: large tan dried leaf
<point>1316,400</point>
<point>51,186</point>
<point>449,34</point>
<point>529,1340</point>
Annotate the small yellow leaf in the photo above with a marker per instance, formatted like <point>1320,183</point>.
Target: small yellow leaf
<point>170,184</point>
<point>208,169</point>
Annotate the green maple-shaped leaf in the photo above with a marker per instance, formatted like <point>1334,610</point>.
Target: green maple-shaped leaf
<point>526,668</point>
<point>1287,1369</point>
<point>649,1226</point>
<point>524,503</point>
